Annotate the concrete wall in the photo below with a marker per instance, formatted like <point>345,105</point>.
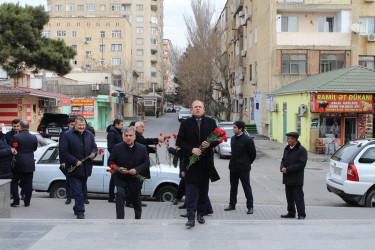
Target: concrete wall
<point>4,199</point>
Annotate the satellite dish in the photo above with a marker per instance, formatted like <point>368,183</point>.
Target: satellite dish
<point>358,28</point>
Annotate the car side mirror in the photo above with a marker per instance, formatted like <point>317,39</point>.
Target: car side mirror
<point>366,160</point>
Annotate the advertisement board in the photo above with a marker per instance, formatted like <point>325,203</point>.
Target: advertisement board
<point>333,102</point>
<point>83,107</point>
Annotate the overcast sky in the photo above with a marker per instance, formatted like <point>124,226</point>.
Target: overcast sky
<point>174,26</point>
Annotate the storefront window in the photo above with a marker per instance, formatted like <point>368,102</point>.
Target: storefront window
<point>330,128</point>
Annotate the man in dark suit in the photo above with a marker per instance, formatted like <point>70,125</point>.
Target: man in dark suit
<point>25,164</point>
<point>293,167</point>
<point>192,134</point>
<point>76,144</point>
<point>243,154</point>
<point>15,130</point>
<point>114,137</point>
<point>132,158</point>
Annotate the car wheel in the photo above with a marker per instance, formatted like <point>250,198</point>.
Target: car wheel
<point>370,199</point>
<point>166,193</point>
<point>58,190</point>
<point>350,202</point>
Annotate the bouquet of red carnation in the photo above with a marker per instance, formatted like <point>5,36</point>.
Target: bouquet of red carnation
<point>169,155</point>
<point>72,168</point>
<point>13,161</point>
<point>113,169</point>
<point>219,135</point>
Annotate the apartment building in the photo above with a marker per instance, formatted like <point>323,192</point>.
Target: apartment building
<point>273,43</point>
<point>169,85</point>
<point>146,21</point>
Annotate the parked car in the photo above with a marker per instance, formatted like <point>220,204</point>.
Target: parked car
<point>352,173</point>
<point>224,149</point>
<point>184,114</point>
<point>51,125</point>
<point>48,177</point>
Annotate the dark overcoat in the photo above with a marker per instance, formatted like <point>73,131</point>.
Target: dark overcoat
<point>5,158</point>
<point>294,160</point>
<point>27,144</point>
<point>114,137</point>
<point>243,153</point>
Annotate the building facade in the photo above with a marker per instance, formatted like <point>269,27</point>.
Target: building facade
<point>168,84</point>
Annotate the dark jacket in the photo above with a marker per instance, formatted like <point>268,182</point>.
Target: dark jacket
<point>124,156</point>
<point>189,137</point>
<point>2,137</point>
<point>243,153</point>
<point>148,142</point>
<point>294,160</point>
<point>27,144</point>
<point>114,137</point>
<point>9,137</point>
<point>74,147</point>
<point>180,156</point>
<point>5,158</point>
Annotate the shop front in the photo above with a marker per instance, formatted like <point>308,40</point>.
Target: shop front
<point>340,118</point>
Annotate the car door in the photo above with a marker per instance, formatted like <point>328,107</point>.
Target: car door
<point>365,164</point>
<point>95,183</point>
<point>107,174</point>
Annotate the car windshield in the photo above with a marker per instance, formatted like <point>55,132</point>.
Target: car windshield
<point>229,132</point>
<point>185,112</point>
<point>345,153</point>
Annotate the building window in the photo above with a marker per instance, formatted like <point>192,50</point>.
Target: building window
<point>102,61</point>
<point>116,33</point>
<point>154,41</point>
<point>74,47</point>
<point>367,61</point>
<point>58,7</point>
<point>74,34</point>
<point>139,19</point>
<point>289,24</point>
<point>90,6</point>
<point>140,64</point>
<point>70,7</point>
<point>88,53</point>
<point>251,72</point>
<point>116,47</point>
<point>330,128</point>
<point>325,24</point>
<point>116,61</point>
<point>139,6</point>
<point>154,20</point>
<point>139,41</point>
<point>80,7</point>
<point>153,74</point>
<point>331,62</point>
<point>46,33</point>
<point>117,80</point>
<point>149,103</point>
<point>102,7</point>
<point>127,7</point>
<point>128,17</point>
<point>74,61</point>
<point>61,33</point>
<point>369,23</point>
<point>87,39</point>
<point>293,64</point>
<point>115,7</point>
<point>251,39</point>
<point>141,74</point>
<point>154,31</point>
<point>139,52</point>
<point>102,47</point>
<point>139,30</point>
<point>298,124</point>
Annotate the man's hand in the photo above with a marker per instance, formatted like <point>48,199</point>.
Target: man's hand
<point>205,144</point>
<point>62,165</point>
<point>161,139</point>
<point>14,151</point>
<point>124,170</point>
<point>132,171</point>
<point>79,163</point>
<point>283,170</point>
<point>92,156</point>
<point>178,148</point>
<point>183,174</point>
<point>196,151</point>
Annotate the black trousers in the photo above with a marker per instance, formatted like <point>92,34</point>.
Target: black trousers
<point>196,199</point>
<point>295,198</point>
<point>135,193</point>
<point>79,189</point>
<point>181,189</point>
<point>235,177</point>
<point>26,180</point>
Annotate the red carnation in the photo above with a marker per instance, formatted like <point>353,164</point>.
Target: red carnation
<point>159,145</point>
<point>161,134</point>
<point>101,151</point>
<point>15,144</point>
<point>217,131</point>
<point>225,138</point>
<point>174,136</point>
<point>221,139</point>
<point>111,171</point>
<point>112,166</point>
<point>167,140</point>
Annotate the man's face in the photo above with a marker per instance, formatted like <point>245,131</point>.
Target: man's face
<point>197,109</point>
<point>1,127</point>
<point>80,126</point>
<point>141,128</point>
<point>71,125</point>
<point>291,141</point>
<point>129,138</point>
<point>120,125</point>
<point>236,130</point>
<point>16,127</point>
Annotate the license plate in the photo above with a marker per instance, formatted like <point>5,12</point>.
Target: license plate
<point>55,131</point>
<point>337,170</point>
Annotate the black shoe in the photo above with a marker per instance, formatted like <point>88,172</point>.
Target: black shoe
<point>129,205</point>
<point>229,208</point>
<point>175,201</point>
<point>183,215</point>
<point>200,219</point>
<point>14,203</point>
<point>190,223</point>
<point>87,201</point>
<point>111,200</point>
<point>68,201</point>
<point>301,217</point>
<point>182,207</point>
<point>22,197</point>
<point>209,212</point>
<point>250,211</point>
<point>144,205</point>
<point>288,215</point>
<point>27,205</point>
<point>80,216</point>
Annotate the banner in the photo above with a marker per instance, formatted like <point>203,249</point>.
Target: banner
<point>332,102</point>
<point>83,107</point>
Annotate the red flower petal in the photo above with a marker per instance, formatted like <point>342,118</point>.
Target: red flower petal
<point>167,140</point>
<point>221,139</point>
<point>159,145</point>
<point>15,144</point>
<point>111,171</point>
<point>161,134</point>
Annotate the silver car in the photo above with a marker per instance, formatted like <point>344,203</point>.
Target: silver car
<point>223,149</point>
<point>48,177</point>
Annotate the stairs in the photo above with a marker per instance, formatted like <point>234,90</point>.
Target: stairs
<point>251,128</point>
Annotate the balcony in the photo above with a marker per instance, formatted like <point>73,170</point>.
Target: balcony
<point>316,2</point>
<point>313,39</point>
<point>154,6</point>
<point>237,6</point>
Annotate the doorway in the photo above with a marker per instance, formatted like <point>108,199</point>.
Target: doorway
<point>350,129</point>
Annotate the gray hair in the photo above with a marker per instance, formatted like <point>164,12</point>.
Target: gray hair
<point>192,104</point>
<point>137,124</point>
<point>24,125</point>
<point>80,118</point>
<point>127,129</point>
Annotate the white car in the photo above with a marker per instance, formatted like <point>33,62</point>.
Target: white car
<point>224,149</point>
<point>48,177</point>
<point>184,114</point>
<point>352,173</point>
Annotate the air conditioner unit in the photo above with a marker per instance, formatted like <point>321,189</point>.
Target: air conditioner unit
<point>240,14</point>
<point>371,37</point>
<point>254,82</point>
<point>273,107</point>
<point>95,87</point>
<point>87,42</point>
<point>302,110</point>
<point>243,53</point>
<point>242,77</point>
